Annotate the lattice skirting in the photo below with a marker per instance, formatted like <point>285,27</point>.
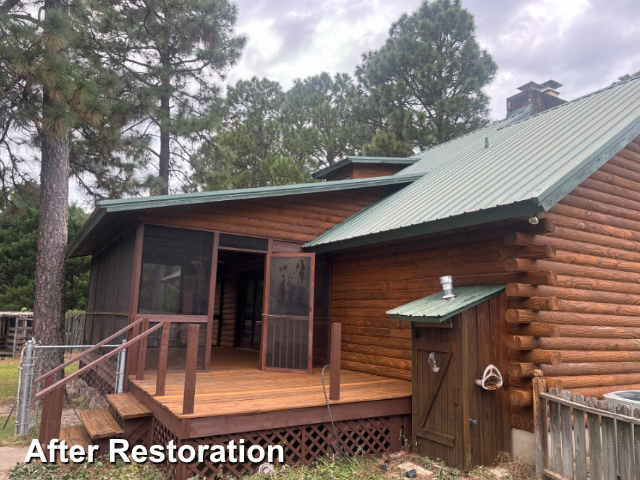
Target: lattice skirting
<point>160,435</point>
<point>302,444</point>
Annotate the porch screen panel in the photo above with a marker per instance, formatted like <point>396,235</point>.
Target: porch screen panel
<point>176,266</point>
<point>322,311</point>
<point>289,316</point>
<point>125,270</point>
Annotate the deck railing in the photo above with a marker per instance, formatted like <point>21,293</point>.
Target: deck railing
<point>563,443</point>
<point>53,392</point>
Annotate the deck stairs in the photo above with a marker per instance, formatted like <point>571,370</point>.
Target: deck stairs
<point>125,418</point>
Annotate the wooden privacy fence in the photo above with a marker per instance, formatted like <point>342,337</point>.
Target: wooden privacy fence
<point>567,449</point>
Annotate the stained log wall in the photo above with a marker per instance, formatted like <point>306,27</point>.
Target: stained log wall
<point>297,218</point>
<point>573,286</point>
<point>584,335</point>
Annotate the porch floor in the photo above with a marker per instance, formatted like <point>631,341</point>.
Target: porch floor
<point>236,386</point>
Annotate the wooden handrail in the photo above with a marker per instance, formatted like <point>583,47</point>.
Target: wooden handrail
<point>89,366</point>
<point>92,349</point>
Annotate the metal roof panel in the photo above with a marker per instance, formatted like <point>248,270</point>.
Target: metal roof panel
<point>530,164</point>
<point>435,309</point>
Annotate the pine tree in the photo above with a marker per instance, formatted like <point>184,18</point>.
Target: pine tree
<point>46,95</point>
<point>320,127</point>
<point>172,53</point>
<point>18,246</point>
<point>248,150</point>
<point>424,85</point>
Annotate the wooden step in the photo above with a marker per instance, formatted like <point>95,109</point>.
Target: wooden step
<point>76,436</point>
<point>127,406</point>
<point>100,424</point>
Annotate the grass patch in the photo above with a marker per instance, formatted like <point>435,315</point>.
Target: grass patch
<point>8,379</point>
<point>100,470</point>
<point>327,468</point>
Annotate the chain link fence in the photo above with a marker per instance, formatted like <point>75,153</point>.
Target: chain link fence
<point>85,392</point>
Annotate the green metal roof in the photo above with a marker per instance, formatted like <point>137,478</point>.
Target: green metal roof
<point>107,207</point>
<point>530,164</point>
<point>366,161</point>
<point>435,309</point>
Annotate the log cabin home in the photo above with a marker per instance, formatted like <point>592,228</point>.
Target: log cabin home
<point>233,301</point>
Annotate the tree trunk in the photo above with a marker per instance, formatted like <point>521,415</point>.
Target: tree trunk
<point>48,311</point>
<point>165,115</point>
<point>164,144</point>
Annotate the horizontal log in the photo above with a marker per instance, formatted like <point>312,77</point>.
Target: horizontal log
<point>587,226</point>
<point>570,281</point>
<point>519,369</point>
<point>525,290</point>
<point>535,252</point>
<point>597,217</point>
<point>595,261</point>
<point>531,329</point>
<point>591,332</point>
<point>569,318</point>
<point>596,307</point>
<point>575,356</point>
<point>377,370</point>
<point>521,397</point>
<point>589,368</point>
<point>548,357</point>
<point>582,381</point>
<point>533,303</point>
<point>378,360</point>
<point>544,225</point>
<point>377,351</point>
<point>519,342</point>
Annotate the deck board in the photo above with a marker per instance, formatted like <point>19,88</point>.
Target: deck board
<point>236,386</point>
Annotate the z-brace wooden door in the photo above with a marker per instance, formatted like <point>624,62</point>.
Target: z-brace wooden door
<point>287,337</point>
<point>437,405</point>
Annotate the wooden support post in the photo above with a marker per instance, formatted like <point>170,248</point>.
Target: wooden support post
<point>190,370</point>
<point>142,351</point>
<point>336,346</point>
<point>161,377</point>
<point>51,413</point>
<point>540,422</point>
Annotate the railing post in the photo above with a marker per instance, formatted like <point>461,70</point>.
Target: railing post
<point>336,345</point>
<point>51,413</point>
<point>161,377</point>
<point>190,370</point>
<point>142,351</point>
<point>540,425</point>
<point>25,388</point>
<point>122,361</point>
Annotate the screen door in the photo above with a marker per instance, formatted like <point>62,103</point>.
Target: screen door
<point>287,339</point>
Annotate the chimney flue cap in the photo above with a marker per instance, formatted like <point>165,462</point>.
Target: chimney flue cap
<point>447,287</point>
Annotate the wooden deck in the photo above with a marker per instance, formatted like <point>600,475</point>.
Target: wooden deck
<point>235,386</point>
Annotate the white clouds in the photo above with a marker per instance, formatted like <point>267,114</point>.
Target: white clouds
<point>584,44</point>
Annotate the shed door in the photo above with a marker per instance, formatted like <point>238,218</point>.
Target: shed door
<point>436,393</point>
<point>287,339</point>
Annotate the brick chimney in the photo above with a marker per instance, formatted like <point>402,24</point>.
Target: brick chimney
<point>541,97</point>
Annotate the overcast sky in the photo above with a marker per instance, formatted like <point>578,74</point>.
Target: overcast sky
<point>583,44</point>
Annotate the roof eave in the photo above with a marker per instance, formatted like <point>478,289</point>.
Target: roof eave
<point>505,212</point>
<point>89,225</point>
<point>247,194</point>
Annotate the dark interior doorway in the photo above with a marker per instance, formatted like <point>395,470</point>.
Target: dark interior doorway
<point>249,319</point>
